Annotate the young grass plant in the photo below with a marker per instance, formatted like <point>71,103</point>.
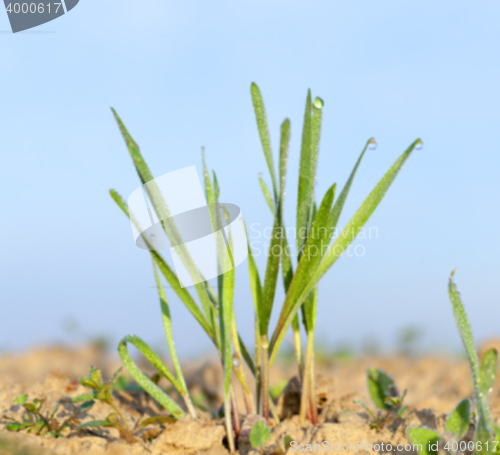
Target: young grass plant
<point>483,375</point>
<point>314,257</point>
<point>486,432</point>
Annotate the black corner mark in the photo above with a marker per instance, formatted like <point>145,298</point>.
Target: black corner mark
<point>26,14</point>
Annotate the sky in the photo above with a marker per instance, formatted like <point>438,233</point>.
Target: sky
<point>179,75</point>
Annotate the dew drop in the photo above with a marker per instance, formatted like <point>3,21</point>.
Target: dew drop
<point>420,145</point>
<point>372,144</point>
<point>235,362</point>
<point>318,103</point>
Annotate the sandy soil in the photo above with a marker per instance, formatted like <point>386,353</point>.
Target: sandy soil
<point>435,385</point>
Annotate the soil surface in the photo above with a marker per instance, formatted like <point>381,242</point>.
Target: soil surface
<point>435,386</point>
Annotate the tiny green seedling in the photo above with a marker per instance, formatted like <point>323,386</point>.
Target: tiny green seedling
<point>428,441</point>
<point>35,421</point>
<point>259,435</point>
<point>103,391</point>
<point>385,397</point>
<point>483,377</point>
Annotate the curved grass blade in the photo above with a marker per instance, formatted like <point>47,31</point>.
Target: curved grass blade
<point>146,383</point>
<point>292,303</point>
<point>265,138</point>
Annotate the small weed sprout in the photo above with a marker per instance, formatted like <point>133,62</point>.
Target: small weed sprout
<point>316,221</point>
<point>39,423</point>
<point>429,441</point>
<point>259,435</point>
<point>385,396</point>
<point>103,391</point>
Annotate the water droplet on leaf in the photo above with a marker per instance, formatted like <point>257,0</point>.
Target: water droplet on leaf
<point>372,144</point>
<point>420,145</point>
<point>318,103</point>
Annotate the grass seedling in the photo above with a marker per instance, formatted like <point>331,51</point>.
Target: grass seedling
<point>385,396</point>
<point>214,311</point>
<point>103,391</point>
<point>483,375</point>
<point>36,421</point>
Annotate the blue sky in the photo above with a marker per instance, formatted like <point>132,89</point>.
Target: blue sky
<point>179,74</point>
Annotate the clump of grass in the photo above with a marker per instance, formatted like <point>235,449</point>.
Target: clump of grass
<point>486,432</point>
<point>315,253</point>
<point>385,396</point>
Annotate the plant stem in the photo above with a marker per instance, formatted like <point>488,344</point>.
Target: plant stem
<point>312,381</point>
<point>258,367</point>
<point>265,376</point>
<point>298,344</point>
<point>242,376</point>
<point>236,416</point>
<point>306,378</point>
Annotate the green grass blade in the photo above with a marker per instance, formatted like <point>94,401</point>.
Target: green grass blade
<point>271,276</point>
<point>316,120</point>
<point>141,167</point>
<point>312,254</point>
<point>255,284</point>
<point>146,383</point>
<point>484,427</point>
<point>284,150</point>
<point>226,318</point>
<point>339,203</point>
<point>464,330</point>
<point>303,197</point>
<point>167,324</point>
<point>488,371</point>
<point>340,245</point>
<point>265,138</point>
<point>267,194</point>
